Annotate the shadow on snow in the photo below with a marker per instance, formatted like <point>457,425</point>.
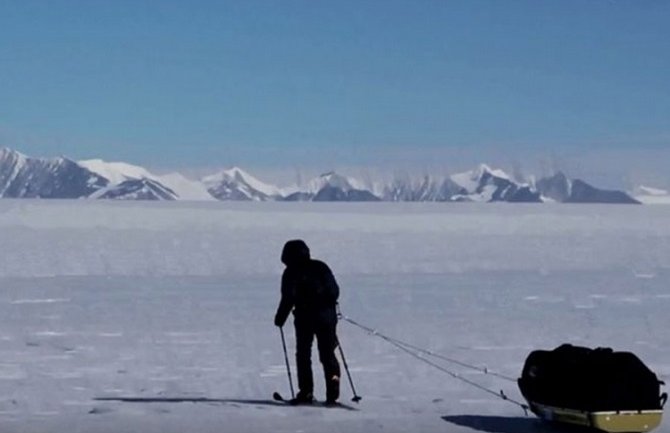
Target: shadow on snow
<point>227,401</point>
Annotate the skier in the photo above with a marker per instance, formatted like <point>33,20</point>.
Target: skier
<point>308,287</point>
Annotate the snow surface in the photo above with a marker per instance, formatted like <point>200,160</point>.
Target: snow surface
<point>172,303</point>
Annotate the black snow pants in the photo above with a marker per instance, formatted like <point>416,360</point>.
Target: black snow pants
<point>326,340</point>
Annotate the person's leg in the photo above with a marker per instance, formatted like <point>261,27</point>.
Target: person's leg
<point>327,343</point>
<point>304,335</point>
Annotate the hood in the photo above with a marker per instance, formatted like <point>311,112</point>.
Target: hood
<point>295,252</point>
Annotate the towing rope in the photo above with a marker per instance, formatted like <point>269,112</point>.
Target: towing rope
<point>417,353</point>
<point>484,370</point>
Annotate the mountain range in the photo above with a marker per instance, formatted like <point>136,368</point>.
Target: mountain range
<point>22,176</point>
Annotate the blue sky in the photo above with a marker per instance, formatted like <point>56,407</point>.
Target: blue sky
<point>322,84</point>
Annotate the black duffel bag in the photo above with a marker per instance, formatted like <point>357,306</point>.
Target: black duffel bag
<point>591,380</point>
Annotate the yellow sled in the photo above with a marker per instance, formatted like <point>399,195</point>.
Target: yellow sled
<point>613,422</point>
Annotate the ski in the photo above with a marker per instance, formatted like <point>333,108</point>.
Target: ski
<point>278,397</point>
<point>293,402</point>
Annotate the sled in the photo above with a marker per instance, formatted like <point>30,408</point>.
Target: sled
<point>613,422</point>
<point>597,388</point>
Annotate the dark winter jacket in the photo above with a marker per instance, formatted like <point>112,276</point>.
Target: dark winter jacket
<point>308,287</point>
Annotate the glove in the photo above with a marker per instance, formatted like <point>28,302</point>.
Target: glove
<point>278,321</point>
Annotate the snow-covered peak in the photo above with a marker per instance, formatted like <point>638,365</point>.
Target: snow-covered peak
<point>116,172</point>
<point>24,177</point>
<point>16,159</point>
<point>471,180</point>
<point>11,156</point>
<point>11,164</point>
<point>333,180</point>
<point>241,175</point>
<point>468,180</point>
<point>237,184</point>
<point>137,189</point>
<point>119,172</point>
<point>184,188</point>
<point>6,152</point>
<point>483,169</point>
<point>426,188</point>
<point>236,174</point>
<point>330,186</point>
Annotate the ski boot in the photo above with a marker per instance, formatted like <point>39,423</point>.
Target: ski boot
<point>302,398</point>
<point>332,390</point>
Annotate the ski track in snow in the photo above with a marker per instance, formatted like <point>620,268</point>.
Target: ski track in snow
<point>38,301</point>
<point>197,350</point>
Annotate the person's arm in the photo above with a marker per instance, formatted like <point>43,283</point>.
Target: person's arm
<point>287,300</point>
<point>332,289</point>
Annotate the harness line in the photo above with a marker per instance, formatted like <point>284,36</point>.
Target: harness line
<point>417,353</point>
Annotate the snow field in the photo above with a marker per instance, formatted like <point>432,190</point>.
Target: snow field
<point>172,304</point>
<point>53,238</point>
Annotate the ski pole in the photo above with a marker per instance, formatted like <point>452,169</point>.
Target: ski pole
<point>288,367</point>
<point>356,397</point>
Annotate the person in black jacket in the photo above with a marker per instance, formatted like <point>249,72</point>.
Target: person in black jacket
<point>308,287</point>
